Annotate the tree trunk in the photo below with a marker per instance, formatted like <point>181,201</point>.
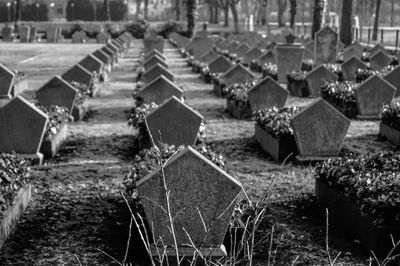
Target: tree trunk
<point>138,4</point>
<point>106,7</point>
<point>216,15</point>
<point>191,6</point>
<point>376,22</point>
<point>282,4</point>
<point>317,17</point>
<point>146,8</point>
<point>346,23</point>
<point>17,15</point>
<point>178,10</point>
<point>293,6</point>
<point>211,14</point>
<point>226,16</point>
<point>235,15</point>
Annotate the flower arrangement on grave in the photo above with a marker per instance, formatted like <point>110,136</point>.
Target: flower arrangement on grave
<point>341,96</point>
<point>255,65</point>
<point>225,53</point>
<point>238,92</point>
<point>139,74</point>
<point>307,65</point>
<point>363,74</point>
<point>58,116</point>
<point>196,66</point>
<point>206,74</point>
<point>270,70</point>
<point>82,94</point>
<point>365,56</point>
<point>138,114</point>
<point>14,174</point>
<point>190,60</point>
<point>390,115</point>
<point>217,79</point>
<point>276,121</point>
<point>296,81</point>
<point>370,181</point>
<point>339,58</point>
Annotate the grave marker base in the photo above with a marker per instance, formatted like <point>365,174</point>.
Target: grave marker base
<point>10,219</point>
<point>218,90</point>
<point>391,134</point>
<point>50,148</point>
<point>300,159</point>
<point>367,117</point>
<point>33,159</point>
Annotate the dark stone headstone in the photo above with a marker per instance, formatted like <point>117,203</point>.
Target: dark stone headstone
<point>394,78</point>
<point>379,60</point>
<point>92,64</point>
<point>6,82</point>
<point>288,58</point>
<point>350,67</point>
<point>208,56</point>
<point>159,90</point>
<point>154,60</point>
<point>268,57</point>
<point>318,77</point>
<point>219,65</point>
<point>238,74</point>
<point>155,72</point>
<point>325,46</point>
<point>78,74</point>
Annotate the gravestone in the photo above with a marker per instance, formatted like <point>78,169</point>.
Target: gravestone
<point>379,60</point>
<point>394,78</point>
<point>288,58</point>
<point>57,92</point>
<point>109,52</point>
<point>53,34</point>
<point>102,56</point>
<point>78,74</point>
<point>154,52</point>
<point>159,90</point>
<point>202,200</point>
<point>242,50</point>
<point>253,54</point>
<point>155,72</point>
<point>371,95</point>
<point>319,131</point>
<point>91,64</point>
<point>309,49</point>
<point>201,45</point>
<point>24,33</point>
<point>208,56</point>
<point>268,57</point>
<point>79,37</point>
<point>153,43</point>
<point>376,48</point>
<point>262,44</point>
<point>6,33</point>
<point>177,122</point>
<point>33,34</point>
<point>22,128</point>
<point>350,67</point>
<point>266,94</point>
<point>219,65</point>
<point>325,46</point>
<point>232,47</point>
<point>223,45</point>
<point>6,82</point>
<point>154,60</point>
<point>350,52</point>
<point>318,77</point>
<point>238,74</point>
<point>102,37</point>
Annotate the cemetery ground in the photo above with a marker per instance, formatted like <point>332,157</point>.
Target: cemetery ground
<point>78,209</point>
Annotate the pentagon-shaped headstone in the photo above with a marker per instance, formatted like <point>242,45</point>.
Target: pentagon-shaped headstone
<point>223,45</point>
<point>24,33</point>
<point>350,67</point>
<point>177,122</point>
<point>201,45</point>
<point>325,46</point>
<point>350,52</point>
<point>318,77</point>
<point>22,127</point>
<point>233,46</point>
<point>379,60</point>
<point>201,194</point>
<point>154,52</point>
<point>267,93</point>
<point>319,131</point>
<point>155,72</point>
<point>102,56</point>
<point>372,95</point>
<point>109,52</point>
<point>242,50</point>
<point>113,48</point>
<point>253,54</point>
<point>79,37</point>
<point>57,92</point>
<point>117,44</point>
<point>78,74</point>
<point>394,78</point>
<point>6,33</point>
<point>268,57</point>
<point>219,65</point>
<point>262,44</point>
<point>159,90</point>
<point>376,48</point>
<point>6,82</point>
<point>208,56</point>
<point>288,59</point>
<point>92,64</point>
<point>102,37</point>
<point>154,60</point>
<point>152,43</point>
<point>238,74</point>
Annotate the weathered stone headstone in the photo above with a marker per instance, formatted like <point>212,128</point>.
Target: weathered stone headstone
<point>154,52</point>
<point>253,54</point>
<point>238,74</point>
<point>78,74</point>
<point>350,67</point>
<point>267,93</point>
<point>242,50</point>
<point>33,34</point>
<point>177,122</point>
<point>319,131</point>
<point>372,95</point>
<point>155,72</point>
<point>22,128</point>
<point>6,82</point>
<point>233,46</point>
<point>394,78</point>
<point>318,77</point>
<point>92,64</point>
<point>152,43</point>
<point>6,33</point>
<point>350,52</point>
<point>154,60</point>
<point>376,48</point>
<point>102,37</point>
<point>208,56</point>
<point>201,194</point>
<point>57,92</point>
<point>325,46</point>
<point>24,33</point>
<point>268,57</point>
<point>219,65</point>
<point>201,45</point>
<point>79,37</point>
<point>53,34</point>
<point>159,90</point>
<point>379,60</point>
<point>288,59</point>
<point>102,56</point>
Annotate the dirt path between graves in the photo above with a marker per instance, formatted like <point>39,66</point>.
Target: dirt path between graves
<point>77,209</point>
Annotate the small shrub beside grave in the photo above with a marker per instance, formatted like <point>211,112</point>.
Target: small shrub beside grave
<point>390,123</point>
<point>341,96</point>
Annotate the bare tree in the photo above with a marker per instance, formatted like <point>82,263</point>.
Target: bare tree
<point>376,22</point>
<point>282,5</point>
<point>146,8</point>
<point>293,7</point>
<point>178,10</point>
<point>346,25</point>
<point>191,6</point>
<point>224,5</point>
<point>106,8</point>
<point>260,11</point>
<point>17,14</point>
<point>235,15</point>
<point>318,16</point>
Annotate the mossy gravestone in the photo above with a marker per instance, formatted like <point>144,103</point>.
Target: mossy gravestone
<point>379,60</point>
<point>177,123</point>
<point>288,58</point>
<point>57,92</point>
<point>318,77</point>
<point>319,131</point>
<point>325,46</point>
<point>78,74</point>
<point>154,60</point>
<point>159,90</point>
<point>91,64</point>
<point>155,72</point>
<point>372,95</point>
<point>201,195</point>
<point>153,43</point>
<point>350,67</point>
<point>266,94</point>
<point>22,128</point>
<point>393,78</point>
<point>238,74</point>
<point>219,65</point>
<point>6,82</point>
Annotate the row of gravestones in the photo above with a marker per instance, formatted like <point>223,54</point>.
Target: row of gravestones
<point>53,34</point>
<point>23,125</point>
<point>200,194</point>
